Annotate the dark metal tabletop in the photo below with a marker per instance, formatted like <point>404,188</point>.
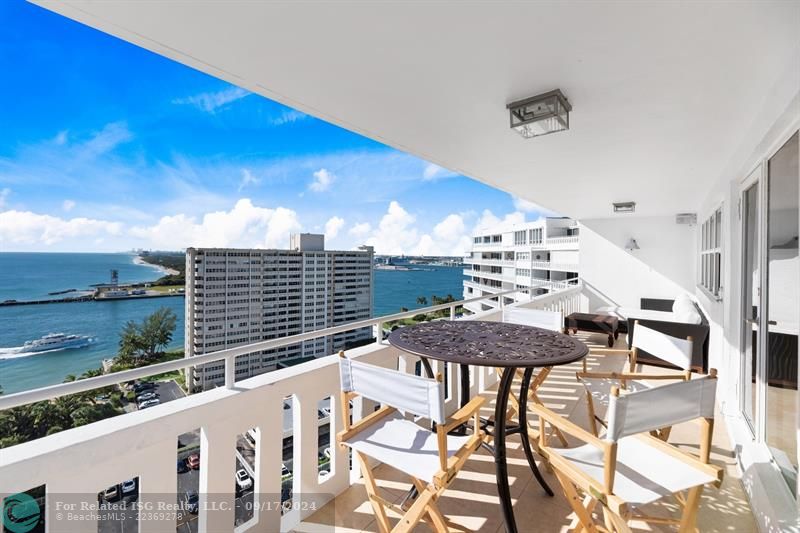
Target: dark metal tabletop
<point>483,343</point>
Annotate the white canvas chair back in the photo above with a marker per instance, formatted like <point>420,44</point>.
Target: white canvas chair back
<point>406,392</point>
<point>671,349</point>
<point>552,320</point>
<point>667,405</point>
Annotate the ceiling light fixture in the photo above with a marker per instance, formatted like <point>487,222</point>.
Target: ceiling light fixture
<point>624,207</point>
<point>540,115</point>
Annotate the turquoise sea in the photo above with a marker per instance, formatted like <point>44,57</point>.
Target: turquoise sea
<point>29,276</point>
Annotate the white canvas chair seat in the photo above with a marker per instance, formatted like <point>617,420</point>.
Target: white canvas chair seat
<point>600,391</point>
<point>431,458</point>
<point>643,475</point>
<point>406,446</point>
<point>629,467</point>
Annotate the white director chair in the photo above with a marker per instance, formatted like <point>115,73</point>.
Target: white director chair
<point>431,459</point>
<point>629,468</point>
<point>598,385</point>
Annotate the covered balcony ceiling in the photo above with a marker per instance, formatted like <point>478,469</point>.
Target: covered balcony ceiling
<point>667,97</point>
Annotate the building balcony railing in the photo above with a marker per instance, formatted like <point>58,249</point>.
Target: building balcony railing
<point>488,262</point>
<point>85,460</point>
<point>548,265</point>
<point>567,239</point>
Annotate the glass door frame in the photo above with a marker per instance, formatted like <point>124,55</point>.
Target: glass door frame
<point>759,176</point>
<point>756,178</point>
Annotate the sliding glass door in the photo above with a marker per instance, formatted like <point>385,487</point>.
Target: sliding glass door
<point>770,216</point>
<point>782,307</point>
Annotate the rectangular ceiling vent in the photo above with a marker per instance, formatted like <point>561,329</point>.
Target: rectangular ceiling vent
<point>624,207</point>
<point>689,219</point>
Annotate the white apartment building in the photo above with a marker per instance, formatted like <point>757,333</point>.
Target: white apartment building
<point>536,257</point>
<point>241,296</point>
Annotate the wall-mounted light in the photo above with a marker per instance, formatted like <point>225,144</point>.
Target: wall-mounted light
<point>631,245</point>
<point>624,207</point>
<point>540,115</point>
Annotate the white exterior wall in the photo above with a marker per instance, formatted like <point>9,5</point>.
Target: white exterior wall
<point>774,506</point>
<point>507,262</point>
<point>663,267</point>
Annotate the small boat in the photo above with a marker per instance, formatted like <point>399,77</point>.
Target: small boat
<point>56,341</point>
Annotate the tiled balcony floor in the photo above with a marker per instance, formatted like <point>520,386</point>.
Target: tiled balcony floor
<point>472,502</point>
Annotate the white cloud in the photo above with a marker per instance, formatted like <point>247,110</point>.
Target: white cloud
<point>112,135</point>
<point>322,180</point>
<point>361,230</point>
<point>210,102</point>
<point>489,220</point>
<point>434,172</point>
<point>247,179</point>
<point>61,138</point>
<point>287,117</point>
<point>449,237</point>
<point>28,228</point>
<point>333,226</point>
<point>526,206</point>
<point>4,194</point>
<point>68,205</point>
<point>245,225</point>
<point>395,233</point>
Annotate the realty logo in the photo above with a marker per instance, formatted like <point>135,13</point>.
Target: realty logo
<point>20,513</point>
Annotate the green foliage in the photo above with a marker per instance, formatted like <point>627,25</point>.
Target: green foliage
<point>33,421</point>
<point>148,338</point>
<point>421,300</point>
<point>420,317</point>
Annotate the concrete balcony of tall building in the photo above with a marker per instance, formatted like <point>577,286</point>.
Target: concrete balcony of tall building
<point>680,164</point>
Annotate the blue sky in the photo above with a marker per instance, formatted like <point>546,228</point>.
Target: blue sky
<point>105,147</point>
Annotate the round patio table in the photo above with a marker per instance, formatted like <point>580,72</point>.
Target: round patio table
<point>494,344</point>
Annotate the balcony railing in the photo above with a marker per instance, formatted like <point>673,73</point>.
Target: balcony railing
<point>548,265</point>
<point>570,239</point>
<point>85,460</point>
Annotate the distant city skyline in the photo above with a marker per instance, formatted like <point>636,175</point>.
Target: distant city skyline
<point>107,147</point>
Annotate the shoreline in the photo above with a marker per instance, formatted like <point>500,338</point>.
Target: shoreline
<point>139,260</point>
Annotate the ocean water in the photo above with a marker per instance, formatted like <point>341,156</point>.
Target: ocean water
<point>27,276</point>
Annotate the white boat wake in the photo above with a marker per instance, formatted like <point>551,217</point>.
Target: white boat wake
<point>16,352</point>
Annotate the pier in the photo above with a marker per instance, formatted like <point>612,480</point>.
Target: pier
<point>87,298</point>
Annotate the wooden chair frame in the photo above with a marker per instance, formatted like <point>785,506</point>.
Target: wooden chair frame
<point>424,506</point>
<point>623,378</point>
<point>584,493</point>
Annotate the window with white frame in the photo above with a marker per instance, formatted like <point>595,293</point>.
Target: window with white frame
<point>520,237</point>
<point>711,254</point>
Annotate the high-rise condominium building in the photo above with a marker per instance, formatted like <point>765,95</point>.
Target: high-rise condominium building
<point>536,258</point>
<point>241,296</point>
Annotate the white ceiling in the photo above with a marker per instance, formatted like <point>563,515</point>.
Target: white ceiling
<point>664,94</point>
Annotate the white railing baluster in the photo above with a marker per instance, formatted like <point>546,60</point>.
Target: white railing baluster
<point>158,484</point>
<point>217,469</point>
<point>267,467</point>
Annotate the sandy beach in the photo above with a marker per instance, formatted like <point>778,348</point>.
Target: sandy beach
<point>138,260</point>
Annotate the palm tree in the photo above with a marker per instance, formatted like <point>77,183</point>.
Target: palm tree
<point>421,300</point>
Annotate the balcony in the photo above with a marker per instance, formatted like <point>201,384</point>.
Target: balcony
<point>141,444</point>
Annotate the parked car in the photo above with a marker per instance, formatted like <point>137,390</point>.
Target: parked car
<point>324,473</point>
<point>146,396</point>
<point>327,452</point>
<point>182,466</point>
<point>111,493</point>
<point>243,480</point>
<point>193,461</point>
<point>285,471</point>
<point>143,386</point>
<point>128,486</point>
<point>149,403</point>
<point>191,501</point>
<point>250,436</point>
